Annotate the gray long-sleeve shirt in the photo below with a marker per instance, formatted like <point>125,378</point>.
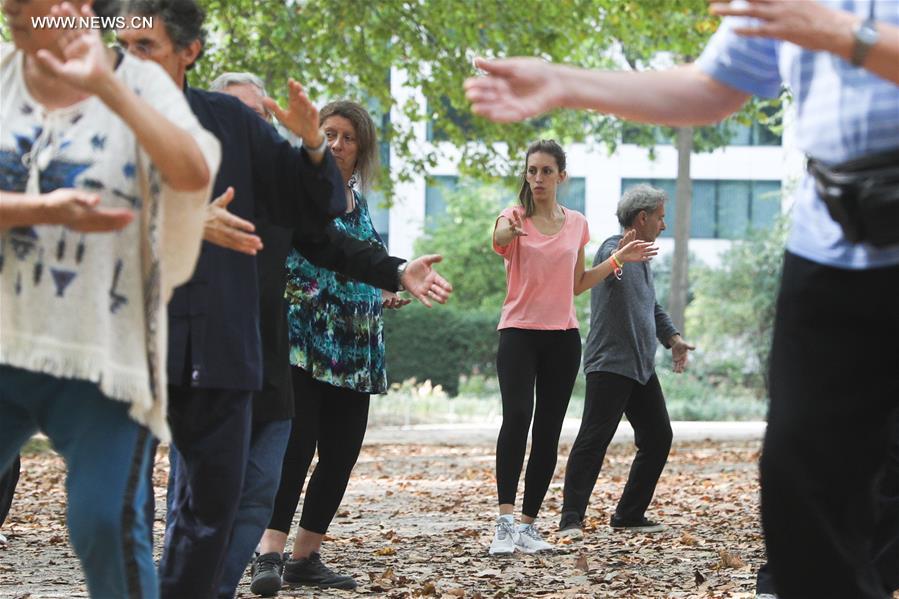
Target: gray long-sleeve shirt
<point>625,321</point>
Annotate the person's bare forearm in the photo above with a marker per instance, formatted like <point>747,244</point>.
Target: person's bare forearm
<point>680,96</point>
<point>19,210</point>
<point>173,150</point>
<point>883,58</point>
<point>592,277</point>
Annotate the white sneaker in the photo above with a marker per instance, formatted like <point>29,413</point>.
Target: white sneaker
<point>504,538</point>
<point>528,540</point>
<point>2,540</point>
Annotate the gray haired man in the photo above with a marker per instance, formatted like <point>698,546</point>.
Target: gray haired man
<point>619,360</point>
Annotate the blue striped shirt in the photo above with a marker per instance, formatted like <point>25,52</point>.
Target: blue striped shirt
<point>843,112</point>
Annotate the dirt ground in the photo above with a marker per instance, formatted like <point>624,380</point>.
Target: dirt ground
<point>417,520</point>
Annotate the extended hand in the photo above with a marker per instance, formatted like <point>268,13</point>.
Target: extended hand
<point>228,231</point>
<point>424,282</point>
<point>516,226</point>
<point>392,301</point>
<point>803,22</point>
<point>637,251</point>
<point>513,89</point>
<point>86,62</point>
<point>301,116</point>
<point>77,210</point>
<point>679,352</point>
<point>628,237</point>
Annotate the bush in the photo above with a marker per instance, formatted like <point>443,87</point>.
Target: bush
<point>733,308</point>
<point>440,344</point>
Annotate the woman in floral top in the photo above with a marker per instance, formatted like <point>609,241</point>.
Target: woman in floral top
<point>337,356</point>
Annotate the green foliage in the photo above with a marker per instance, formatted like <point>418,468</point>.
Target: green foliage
<point>346,48</point>
<point>463,237</point>
<point>440,344</point>
<point>733,307</point>
<point>661,278</point>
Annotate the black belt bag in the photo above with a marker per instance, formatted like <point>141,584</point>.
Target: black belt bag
<point>862,195</point>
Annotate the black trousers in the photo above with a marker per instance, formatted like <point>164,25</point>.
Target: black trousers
<point>525,360</point>
<point>608,397</point>
<point>886,537</point>
<point>834,388</point>
<point>8,482</point>
<point>886,541</point>
<point>332,420</point>
<point>211,430</point>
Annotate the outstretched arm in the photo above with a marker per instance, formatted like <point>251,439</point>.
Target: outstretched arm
<point>519,88</point>
<point>86,65</point>
<point>370,263</point>
<point>629,250</point>
<point>816,27</point>
<point>73,208</point>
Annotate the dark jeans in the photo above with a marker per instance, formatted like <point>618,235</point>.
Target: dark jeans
<point>834,387</point>
<point>107,455</point>
<point>609,396</point>
<point>8,482</point>
<point>211,431</point>
<point>525,360</point>
<point>332,420</point>
<point>267,444</point>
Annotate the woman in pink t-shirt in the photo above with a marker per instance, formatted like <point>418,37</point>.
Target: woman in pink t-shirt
<point>542,244</point>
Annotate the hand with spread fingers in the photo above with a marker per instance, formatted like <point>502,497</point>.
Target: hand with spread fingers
<point>392,301</point>
<point>228,231</point>
<point>301,116</point>
<point>631,249</point>
<point>425,283</point>
<point>86,62</point>
<point>803,22</point>
<point>513,89</point>
<point>516,225</point>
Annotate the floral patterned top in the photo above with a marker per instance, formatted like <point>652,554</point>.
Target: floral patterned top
<point>335,327</point>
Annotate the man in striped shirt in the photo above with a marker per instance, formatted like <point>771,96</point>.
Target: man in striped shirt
<point>834,376</point>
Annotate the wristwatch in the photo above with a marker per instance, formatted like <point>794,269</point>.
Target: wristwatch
<point>321,147</point>
<point>866,36</point>
<point>400,270</point>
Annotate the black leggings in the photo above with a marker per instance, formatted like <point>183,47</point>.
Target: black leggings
<point>332,419</point>
<point>8,481</point>
<point>550,361</point>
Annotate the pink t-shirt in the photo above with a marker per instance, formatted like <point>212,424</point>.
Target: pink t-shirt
<point>540,274</point>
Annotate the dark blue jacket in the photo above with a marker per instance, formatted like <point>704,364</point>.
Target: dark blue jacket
<point>214,339</point>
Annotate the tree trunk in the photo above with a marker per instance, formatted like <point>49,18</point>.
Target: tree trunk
<point>677,298</point>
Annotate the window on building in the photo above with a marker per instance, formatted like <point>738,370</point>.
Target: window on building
<point>437,129</point>
<point>754,134</point>
<point>573,194</point>
<point>380,215</point>
<point>437,188</point>
<point>721,209</point>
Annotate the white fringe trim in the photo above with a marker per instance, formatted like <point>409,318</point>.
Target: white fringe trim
<point>115,384</point>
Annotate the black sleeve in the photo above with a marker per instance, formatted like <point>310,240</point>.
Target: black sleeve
<point>290,191</point>
<point>365,261</point>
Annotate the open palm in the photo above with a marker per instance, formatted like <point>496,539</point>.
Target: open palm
<point>85,60</point>
<point>513,89</point>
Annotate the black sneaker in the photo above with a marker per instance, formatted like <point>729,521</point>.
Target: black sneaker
<point>310,571</point>
<point>641,525</point>
<point>267,569</point>
<point>571,526</point>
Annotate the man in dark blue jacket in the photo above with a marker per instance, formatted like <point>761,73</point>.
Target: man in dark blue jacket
<point>215,360</point>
